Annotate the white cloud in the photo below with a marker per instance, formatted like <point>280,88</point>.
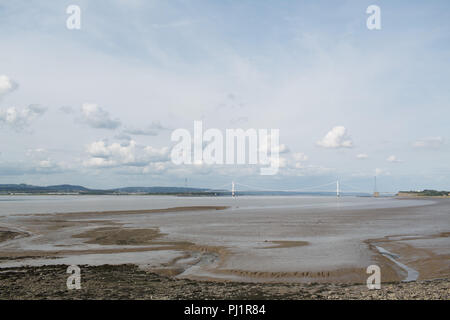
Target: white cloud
<point>99,162</point>
<point>156,167</point>
<point>336,138</point>
<point>37,154</point>
<point>96,117</point>
<point>431,142</point>
<point>20,168</point>
<point>282,148</point>
<point>267,148</point>
<point>362,156</point>
<point>300,156</point>
<point>31,152</point>
<point>382,172</point>
<point>141,132</point>
<point>123,136</point>
<point>151,130</point>
<point>45,164</point>
<point>102,154</point>
<point>6,85</point>
<point>393,158</point>
<point>118,152</point>
<point>20,118</point>
<point>279,162</point>
<point>157,154</point>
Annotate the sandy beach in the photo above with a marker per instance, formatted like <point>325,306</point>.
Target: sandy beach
<point>293,252</point>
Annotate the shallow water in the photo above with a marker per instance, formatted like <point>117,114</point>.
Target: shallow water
<point>412,274</point>
<point>75,203</point>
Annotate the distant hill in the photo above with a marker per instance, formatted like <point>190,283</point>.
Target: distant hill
<point>67,188</point>
<point>26,188</point>
<point>158,190</point>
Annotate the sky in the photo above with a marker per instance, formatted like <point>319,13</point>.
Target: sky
<point>96,106</point>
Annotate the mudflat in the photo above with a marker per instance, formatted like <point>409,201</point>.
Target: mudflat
<point>237,246</point>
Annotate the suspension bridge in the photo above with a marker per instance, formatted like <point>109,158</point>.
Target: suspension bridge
<point>337,186</point>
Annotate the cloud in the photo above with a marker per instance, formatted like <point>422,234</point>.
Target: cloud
<point>155,154</point>
<point>19,119</point>
<point>156,167</point>
<point>282,148</point>
<point>381,172</point>
<point>431,142</point>
<point>265,147</point>
<point>362,156</point>
<point>123,136</point>
<point>300,156</point>
<point>336,138</point>
<point>141,132</point>
<point>45,164</point>
<point>99,162</point>
<point>299,159</point>
<point>102,154</point>
<point>98,118</point>
<point>6,85</point>
<point>239,120</point>
<point>37,153</point>
<point>20,168</point>
<point>151,130</point>
<point>393,158</point>
<point>279,162</point>
<point>124,152</point>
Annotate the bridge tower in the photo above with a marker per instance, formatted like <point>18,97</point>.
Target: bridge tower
<point>338,192</point>
<point>233,190</point>
<point>376,194</point>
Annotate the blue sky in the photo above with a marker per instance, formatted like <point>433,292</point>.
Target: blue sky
<point>96,106</point>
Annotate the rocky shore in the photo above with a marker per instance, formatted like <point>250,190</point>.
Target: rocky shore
<point>130,282</point>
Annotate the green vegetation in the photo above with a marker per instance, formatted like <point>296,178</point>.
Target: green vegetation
<point>425,193</point>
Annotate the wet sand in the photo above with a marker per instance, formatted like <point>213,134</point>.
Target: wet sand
<point>223,244</point>
<point>8,235</point>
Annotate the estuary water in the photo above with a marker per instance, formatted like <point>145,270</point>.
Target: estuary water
<point>34,204</point>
